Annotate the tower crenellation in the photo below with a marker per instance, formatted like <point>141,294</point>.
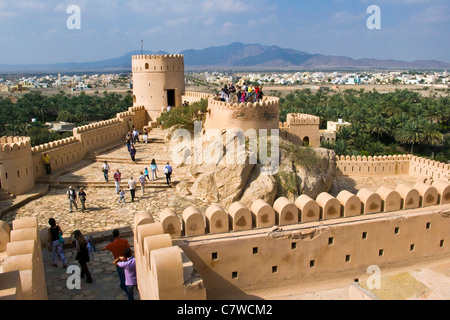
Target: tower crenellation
<point>16,175</point>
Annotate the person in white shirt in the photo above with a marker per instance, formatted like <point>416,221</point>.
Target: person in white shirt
<point>142,180</point>
<point>168,173</point>
<point>106,169</point>
<point>145,136</point>
<point>132,186</point>
<point>136,136</point>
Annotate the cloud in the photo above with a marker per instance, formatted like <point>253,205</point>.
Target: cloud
<point>435,14</point>
<point>226,5</point>
<point>344,17</point>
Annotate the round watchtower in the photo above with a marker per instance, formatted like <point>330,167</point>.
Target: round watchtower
<point>16,165</point>
<point>260,115</point>
<point>158,82</point>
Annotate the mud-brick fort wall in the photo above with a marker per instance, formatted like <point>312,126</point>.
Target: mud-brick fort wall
<point>16,174</point>
<point>21,165</point>
<point>22,275</point>
<point>157,81</point>
<point>393,165</point>
<point>192,97</point>
<point>245,116</point>
<point>291,243</point>
<point>301,129</point>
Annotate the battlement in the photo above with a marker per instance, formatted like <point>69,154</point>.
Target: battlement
<point>164,272</point>
<point>14,144</point>
<point>375,158</point>
<point>244,116</point>
<point>293,243</point>
<point>301,119</point>
<point>161,57</point>
<point>158,63</point>
<point>23,276</point>
<point>54,145</point>
<point>393,165</point>
<point>238,217</point>
<point>267,102</point>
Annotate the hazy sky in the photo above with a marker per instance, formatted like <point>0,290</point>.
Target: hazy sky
<point>35,31</point>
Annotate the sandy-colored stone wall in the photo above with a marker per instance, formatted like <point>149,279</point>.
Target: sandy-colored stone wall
<point>23,276</point>
<point>21,165</point>
<point>192,97</point>
<point>304,240</point>
<point>16,168</point>
<point>304,210</point>
<point>164,272</point>
<point>304,253</point>
<point>301,129</point>
<point>393,165</point>
<point>244,116</point>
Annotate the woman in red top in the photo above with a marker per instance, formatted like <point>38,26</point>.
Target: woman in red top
<point>117,178</point>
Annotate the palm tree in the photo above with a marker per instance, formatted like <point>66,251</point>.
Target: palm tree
<point>411,133</point>
<point>346,134</point>
<point>376,148</point>
<point>377,125</point>
<point>342,148</point>
<point>431,133</point>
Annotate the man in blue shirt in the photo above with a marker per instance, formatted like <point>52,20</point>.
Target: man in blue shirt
<point>168,173</point>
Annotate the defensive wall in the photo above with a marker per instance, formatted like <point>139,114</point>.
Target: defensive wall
<point>16,168</point>
<point>22,275</point>
<point>393,165</point>
<point>293,243</point>
<point>158,81</point>
<point>259,115</point>
<point>301,129</point>
<point>21,165</point>
<point>164,272</point>
<point>192,97</point>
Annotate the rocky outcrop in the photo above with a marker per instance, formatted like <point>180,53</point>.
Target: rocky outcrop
<point>305,171</point>
<point>301,171</point>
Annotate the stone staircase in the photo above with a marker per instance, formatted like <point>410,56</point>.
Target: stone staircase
<point>157,135</point>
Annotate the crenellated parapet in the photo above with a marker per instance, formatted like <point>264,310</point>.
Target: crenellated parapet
<point>192,97</point>
<point>266,102</point>
<point>11,146</point>
<point>97,125</point>
<point>392,165</point>
<point>54,145</point>
<point>245,116</point>
<point>164,272</point>
<point>302,129</point>
<point>16,174</point>
<point>158,63</point>
<point>238,217</point>
<point>294,119</point>
<point>293,242</point>
<point>23,276</point>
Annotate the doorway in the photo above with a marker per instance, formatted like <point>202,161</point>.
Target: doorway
<point>171,97</point>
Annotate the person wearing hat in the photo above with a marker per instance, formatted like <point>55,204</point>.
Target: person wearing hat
<point>72,196</point>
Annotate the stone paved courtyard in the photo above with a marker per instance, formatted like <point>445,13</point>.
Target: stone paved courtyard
<point>104,213</point>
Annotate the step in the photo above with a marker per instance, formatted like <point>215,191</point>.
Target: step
<point>160,184</point>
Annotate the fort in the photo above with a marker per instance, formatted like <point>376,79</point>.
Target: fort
<point>186,254</point>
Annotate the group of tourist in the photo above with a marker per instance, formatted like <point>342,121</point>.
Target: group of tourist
<point>246,93</point>
<point>143,179</point>
<point>120,248</point>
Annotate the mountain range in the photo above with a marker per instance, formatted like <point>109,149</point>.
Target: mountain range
<point>239,56</point>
